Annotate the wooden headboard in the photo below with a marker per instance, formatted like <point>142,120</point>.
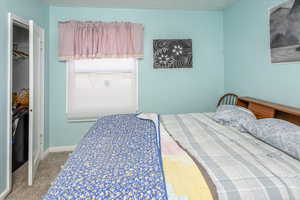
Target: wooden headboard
<point>264,109</point>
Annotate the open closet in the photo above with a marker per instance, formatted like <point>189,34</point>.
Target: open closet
<point>26,94</point>
<point>20,96</point>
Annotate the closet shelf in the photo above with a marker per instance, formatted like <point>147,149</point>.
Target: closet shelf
<point>19,55</point>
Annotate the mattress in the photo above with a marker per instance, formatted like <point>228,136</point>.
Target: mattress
<point>176,157</point>
<point>240,166</point>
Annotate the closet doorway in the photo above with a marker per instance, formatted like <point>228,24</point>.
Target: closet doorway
<point>25,117</point>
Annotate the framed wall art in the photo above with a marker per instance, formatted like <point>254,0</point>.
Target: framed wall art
<point>285,32</point>
<point>172,53</point>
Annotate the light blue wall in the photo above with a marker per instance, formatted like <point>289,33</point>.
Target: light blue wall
<point>247,62</point>
<point>163,91</point>
<point>29,9</point>
<point>248,70</point>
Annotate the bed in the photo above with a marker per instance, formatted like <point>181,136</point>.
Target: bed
<point>178,157</point>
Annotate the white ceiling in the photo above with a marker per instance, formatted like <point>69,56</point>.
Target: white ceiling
<point>147,4</point>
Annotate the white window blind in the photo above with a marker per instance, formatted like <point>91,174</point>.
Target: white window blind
<point>98,87</point>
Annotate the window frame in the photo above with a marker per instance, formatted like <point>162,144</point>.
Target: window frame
<point>70,120</point>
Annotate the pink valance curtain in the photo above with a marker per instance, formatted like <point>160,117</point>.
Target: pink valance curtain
<point>82,40</point>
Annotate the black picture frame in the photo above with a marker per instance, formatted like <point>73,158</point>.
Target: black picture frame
<point>172,53</point>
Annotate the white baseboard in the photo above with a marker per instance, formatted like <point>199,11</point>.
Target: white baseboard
<point>56,150</point>
<point>61,149</point>
<point>45,154</point>
<point>4,194</point>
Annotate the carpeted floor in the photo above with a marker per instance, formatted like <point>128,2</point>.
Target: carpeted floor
<point>47,172</point>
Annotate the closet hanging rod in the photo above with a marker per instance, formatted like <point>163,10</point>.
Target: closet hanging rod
<point>20,54</point>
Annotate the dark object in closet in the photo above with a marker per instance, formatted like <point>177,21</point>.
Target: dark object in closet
<point>228,99</point>
<point>20,132</point>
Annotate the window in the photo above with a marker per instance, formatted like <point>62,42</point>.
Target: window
<point>100,87</point>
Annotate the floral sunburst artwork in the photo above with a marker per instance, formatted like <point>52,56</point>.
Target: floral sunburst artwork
<point>177,49</point>
<point>172,54</point>
<point>164,59</point>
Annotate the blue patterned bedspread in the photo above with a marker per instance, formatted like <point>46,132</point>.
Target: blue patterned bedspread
<point>119,158</point>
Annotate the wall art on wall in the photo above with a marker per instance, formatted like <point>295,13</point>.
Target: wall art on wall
<point>285,32</point>
<point>172,54</point>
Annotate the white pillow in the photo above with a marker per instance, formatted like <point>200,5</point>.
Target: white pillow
<point>280,134</point>
<point>233,116</point>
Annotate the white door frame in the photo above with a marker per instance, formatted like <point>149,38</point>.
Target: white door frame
<point>13,19</point>
<point>22,22</point>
